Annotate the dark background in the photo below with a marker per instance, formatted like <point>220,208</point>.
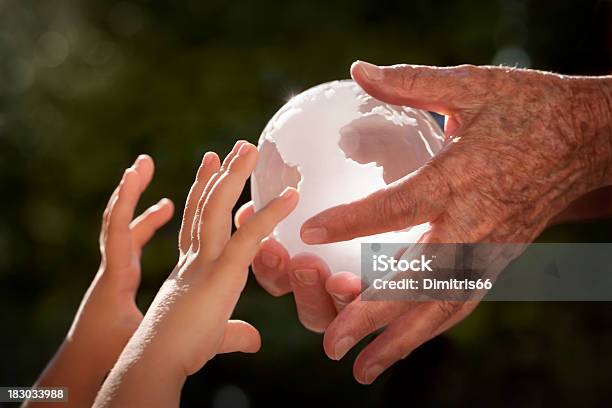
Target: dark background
<point>85,86</point>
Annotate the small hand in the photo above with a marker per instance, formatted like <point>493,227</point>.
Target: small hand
<point>108,315</point>
<point>188,323</point>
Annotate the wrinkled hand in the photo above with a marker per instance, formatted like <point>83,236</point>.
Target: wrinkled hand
<point>318,294</point>
<point>522,145</point>
<point>108,315</point>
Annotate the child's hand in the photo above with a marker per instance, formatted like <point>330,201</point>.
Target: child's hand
<point>188,322</point>
<point>108,315</point>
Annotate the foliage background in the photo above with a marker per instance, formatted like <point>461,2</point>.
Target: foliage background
<point>85,86</point>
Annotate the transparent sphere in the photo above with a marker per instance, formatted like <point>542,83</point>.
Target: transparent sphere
<point>335,144</point>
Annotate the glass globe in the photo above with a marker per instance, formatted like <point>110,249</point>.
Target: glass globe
<point>335,144</point>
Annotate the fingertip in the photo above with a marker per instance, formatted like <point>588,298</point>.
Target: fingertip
<point>244,213</point>
<point>210,158</point>
<point>290,198</point>
<point>167,205</point>
<point>344,286</point>
<point>130,179</point>
<point>365,71</point>
<point>144,158</point>
<point>255,344</point>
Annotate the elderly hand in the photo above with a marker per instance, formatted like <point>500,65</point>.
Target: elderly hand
<point>522,146</point>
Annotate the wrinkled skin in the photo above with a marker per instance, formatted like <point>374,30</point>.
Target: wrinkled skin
<point>525,149</point>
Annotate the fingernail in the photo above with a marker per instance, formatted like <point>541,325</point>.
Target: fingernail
<point>269,259</point>
<point>238,144</point>
<point>163,201</point>
<point>307,276</point>
<point>343,346</point>
<point>244,149</point>
<point>372,373</point>
<point>342,298</point>
<point>288,193</point>
<point>314,235</point>
<point>207,158</point>
<point>371,71</point>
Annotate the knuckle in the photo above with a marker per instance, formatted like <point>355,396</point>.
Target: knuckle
<point>396,208</point>
<point>447,308</point>
<point>369,320</point>
<point>310,322</point>
<point>408,76</point>
<point>346,219</point>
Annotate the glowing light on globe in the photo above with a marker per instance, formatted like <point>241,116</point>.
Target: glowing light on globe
<point>336,144</point>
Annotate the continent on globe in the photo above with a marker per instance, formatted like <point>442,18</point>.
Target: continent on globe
<point>335,144</point>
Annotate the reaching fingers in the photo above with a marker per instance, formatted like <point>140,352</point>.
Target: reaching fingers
<point>245,212</point>
<point>343,287</point>
<point>440,89</point>
<point>239,252</point>
<point>307,276</point>
<point>404,335</point>
<point>240,336</point>
<point>209,166</point>
<point>412,200</point>
<point>106,217</point>
<point>195,228</point>
<point>271,262</point>
<point>120,215</point>
<point>145,168</point>
<point>216,223</point>
<point>144,226</point>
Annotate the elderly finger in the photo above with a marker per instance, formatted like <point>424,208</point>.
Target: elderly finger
<point>417,198</point>
<point>270,267</point>
<point>307,276</point>
<point>402,336</point>
<point>440,89</point>
<point>343,287</point>
<point>357,320</point>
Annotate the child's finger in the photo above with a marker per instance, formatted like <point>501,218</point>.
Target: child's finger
<point>244,213</point>
<point>216,224</point>
<point>145,167</point>
<point>106,215</point>
<point>209,166</point>
<point>244,244</point>
<point>240,336</point>
<point>145,225</point>
<point>122,210</point>
<point>195,230</point>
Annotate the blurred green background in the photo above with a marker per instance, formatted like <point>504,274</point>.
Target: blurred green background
<point>85,86</point>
